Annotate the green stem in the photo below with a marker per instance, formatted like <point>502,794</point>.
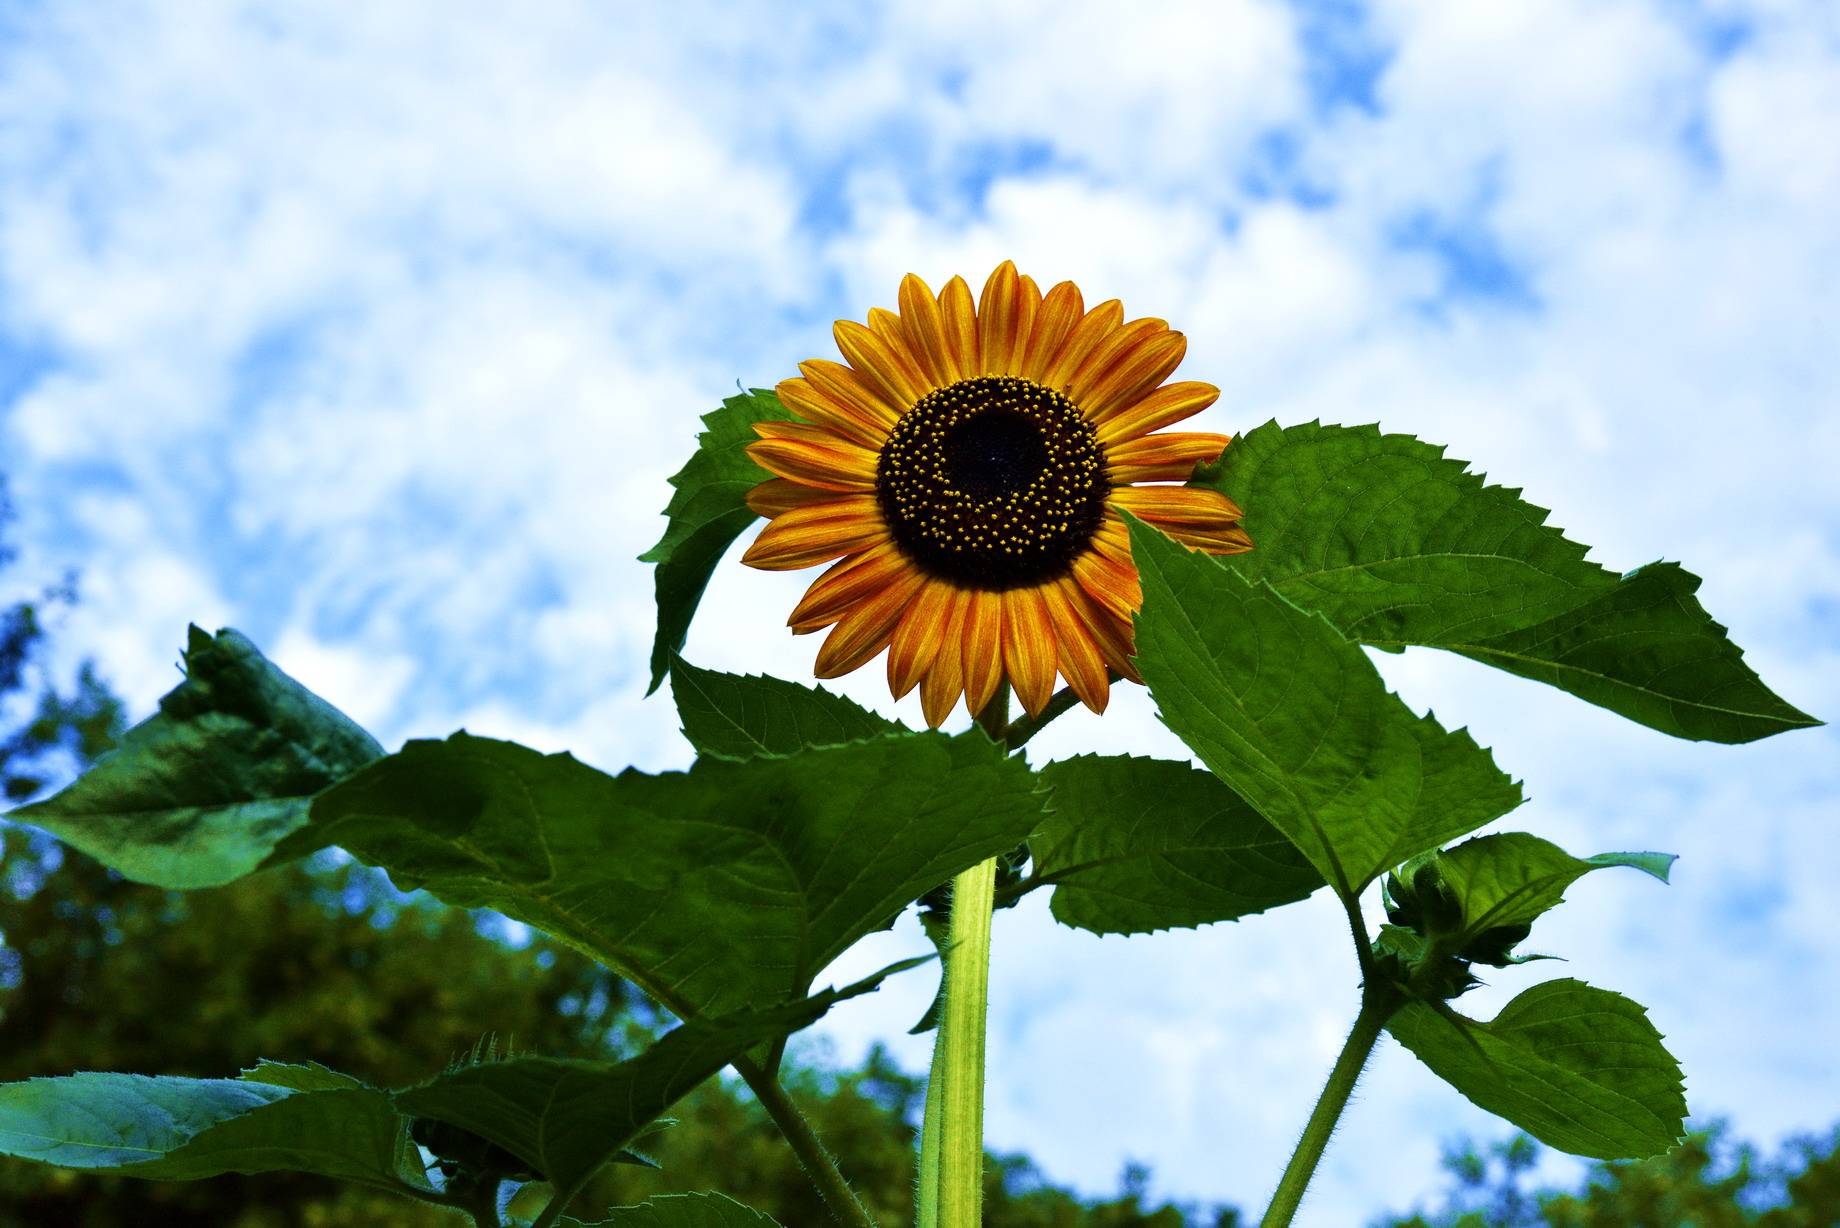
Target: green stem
<point>951,1191</point>
<point>1377,1006</point>
<point>839,1199</point>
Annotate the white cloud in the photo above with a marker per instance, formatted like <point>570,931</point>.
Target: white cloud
<point>378,332</point>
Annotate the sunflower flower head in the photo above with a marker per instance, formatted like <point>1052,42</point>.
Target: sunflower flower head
<point>963,471</point>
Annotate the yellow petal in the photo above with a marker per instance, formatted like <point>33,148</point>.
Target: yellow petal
<point>1074,648</point>
<point>925,327</point>
<point>1028,647</point>
<point>940,689</point>
<point>888,326</point>
<point>776,495</point>
<point>799,396</point>
<point>844,585</point>
<point>983,648</point>
<point>1060,311</point>
<point>834,466</point>
<point>1106,354</point>
<point>1094,327</point>
<point>961,327</point>
<point>917,638</point>
<point>1168,457</point>
<point>847,388</point>
<point>1111,633</point>
<point>1164,407</point>
<point>1133,376</point>
<point>996,318</point>
<point>876,363</point>
<point>1189,506</point>
<point>818,533</point>
<point>1112,584</point>
<point>864,629</point>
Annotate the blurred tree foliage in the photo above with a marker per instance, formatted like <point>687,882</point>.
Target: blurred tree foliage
<point>326,961</point>
<point>1712,1181</point>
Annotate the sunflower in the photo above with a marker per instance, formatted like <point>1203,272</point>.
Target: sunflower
<point>963,473</point>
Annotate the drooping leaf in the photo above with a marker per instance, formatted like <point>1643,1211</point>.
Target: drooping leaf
<point>201,793</point>
<point>566,1119</point>
<point>1579,1068</point>
<point>707,512</point>
<point>1135,845</point>
<point>1510,878</point>
<point>1397,544</point>
<point>175,1129</point>
<point>726,887</point>
<point>740,716</point>
<point>708,1210</point>
<point>1294,718</point>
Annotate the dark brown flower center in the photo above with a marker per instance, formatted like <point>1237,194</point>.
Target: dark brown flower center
<point>993,483</point>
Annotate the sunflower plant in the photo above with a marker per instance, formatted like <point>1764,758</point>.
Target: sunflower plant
<point>1001,510</point>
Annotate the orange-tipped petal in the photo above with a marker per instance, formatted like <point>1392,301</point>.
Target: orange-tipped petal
<point>1028,647</point>
<point>1228,539</point>
<point>818,533</point>
<point>864,629</point>
<point>925,326</point>
<point>983,648</point>
<point>996,318</point>
<point>1111,350</point>
<point>918,637</point>
<point>1112,584</point>
<point>829,466</point>
<point>1164,407</point>
<point>1094,327</point>
<point>1111,633</point>
<point>1060,311</point>
<point>1134,375</point>
<point>1169,457</point>
<point>799,396</point>
<point>895,334</point>
<point>1074,647</point>
<point>960,317</point>
<point>877,364</point>
<point>1190,507</point>
<point>776,495</point>
<point>1028,308</point>
<point>847,388</point>
<point>943,683</point>
<point>844,585</point>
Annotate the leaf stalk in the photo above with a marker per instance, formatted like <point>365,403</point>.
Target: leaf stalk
<point>839,1199</point>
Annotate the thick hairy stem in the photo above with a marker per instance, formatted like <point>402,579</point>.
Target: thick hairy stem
<point>1377,1006</point>
<point>951,1191</point>
<point>839,1199</point>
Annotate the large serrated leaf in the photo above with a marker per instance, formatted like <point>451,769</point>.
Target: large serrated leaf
<point>740,716</point>
<point>568,1118</point>
<point>1579,1068</point>
<point>726,887</point>
<point>707,512</point>
<point>203,792</point>
<point>1135,845</point>
<point>1399,545</point>
<point>176,1129</point>
<point>1296,720</point>
<point>1510,878</point>
<point>707,1210</point>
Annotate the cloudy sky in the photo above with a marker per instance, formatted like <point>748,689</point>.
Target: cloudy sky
<point>375,330</point>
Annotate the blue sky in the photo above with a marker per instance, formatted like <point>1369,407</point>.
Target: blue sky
<point>376,333</point>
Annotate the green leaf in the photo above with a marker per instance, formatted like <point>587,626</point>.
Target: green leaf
<point>1295,719</point>
<point>1136,845</point>
<point>739,717</point>
<point>707,512</point>
<point>174,1129</point>
<point>708,1210</point>
<point>568,1118</point>
<point>201,793</point>
<point>1512,877</point>
<point>725,887</point>
<point>1579,1068</point>
<point>1398,545</point>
